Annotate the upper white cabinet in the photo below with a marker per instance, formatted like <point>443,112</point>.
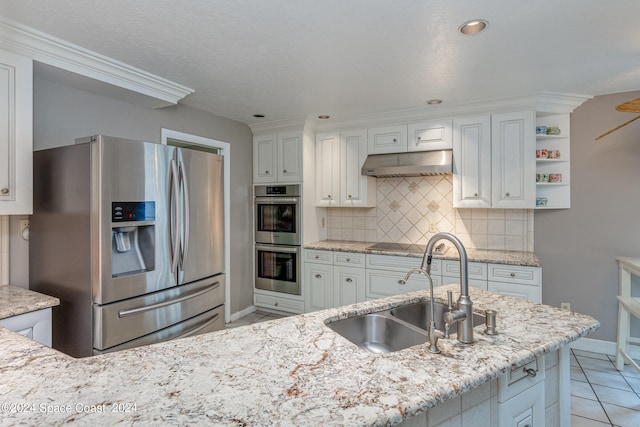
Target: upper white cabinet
<point>432,135</point>
<point>494,165</point>
<point>388,139</point>
<point>16,134</point>
<point>513,160</point>
<point>339,159</point>
<point>277,157</point>
<point>472,162</point>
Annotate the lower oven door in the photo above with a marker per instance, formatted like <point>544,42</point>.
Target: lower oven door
<point>278,268</point>
<point>125,321</point>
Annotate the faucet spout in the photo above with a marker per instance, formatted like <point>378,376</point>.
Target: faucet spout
<point>434,334</point>
<point>464,314</point>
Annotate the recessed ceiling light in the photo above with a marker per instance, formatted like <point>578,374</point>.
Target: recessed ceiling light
<point>473,27</point>
<point>259,116</point>
<point>434,101</point>
<point>324,116</point>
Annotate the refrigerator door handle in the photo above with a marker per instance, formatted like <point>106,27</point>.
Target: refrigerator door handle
<point>187,212</point>
<point>174,220</point>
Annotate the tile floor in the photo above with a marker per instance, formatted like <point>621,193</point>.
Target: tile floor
<point>600,395</point>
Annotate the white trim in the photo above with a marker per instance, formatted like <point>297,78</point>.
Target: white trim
<point>242,313</point>
<point>4,249</point>
<point>226,152</point>
<point>602,347</point>
<point>50,50</point>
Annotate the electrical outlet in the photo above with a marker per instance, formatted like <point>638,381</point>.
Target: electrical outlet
<point>433,228</point>
<point>565,306</point>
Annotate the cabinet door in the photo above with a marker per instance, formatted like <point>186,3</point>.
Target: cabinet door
<point>472,162</point>
<point>264,158</point>
<point>513,160</point>
<point>389,139</point>
<point>318,287</point>
<point>290,157</point>
<point>327,170</point>
<point>356,189</point>
<point>433,135</point>
<point>348,285</point>
<point>16,134</point>
<point>525,409</point>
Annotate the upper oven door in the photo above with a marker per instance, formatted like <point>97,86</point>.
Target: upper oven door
<point>278,220</point>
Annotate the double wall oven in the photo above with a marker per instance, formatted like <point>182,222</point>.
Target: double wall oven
<point>277,238</point>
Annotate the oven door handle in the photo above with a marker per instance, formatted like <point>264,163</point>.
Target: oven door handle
<point>138,310</point>
<point>278,249</point>
<point>277,200</point>
<point>199,328</point>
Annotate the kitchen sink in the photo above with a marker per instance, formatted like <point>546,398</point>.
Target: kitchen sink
<point>379,333</point>
<point>419,314</point>
<point>395,329</point>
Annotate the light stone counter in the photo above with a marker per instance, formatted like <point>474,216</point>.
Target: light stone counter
<point>290,371</point>
<point>477,255</point>
<point>15,301</point>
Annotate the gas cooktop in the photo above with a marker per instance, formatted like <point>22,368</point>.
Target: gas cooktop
<point>406,248</point>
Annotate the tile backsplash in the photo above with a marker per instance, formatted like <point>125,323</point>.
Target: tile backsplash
<point>412,209</point>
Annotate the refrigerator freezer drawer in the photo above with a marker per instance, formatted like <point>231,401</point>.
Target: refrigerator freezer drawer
<point>210,321</point>
<point>123,321</point>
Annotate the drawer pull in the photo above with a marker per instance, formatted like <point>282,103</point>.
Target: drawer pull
<point>348,280</point>
<point>531,372</point>
<point>348,259</point>
<point>276,304</point>
<point>513,274</point>
<point>317,256</point>
<point>4,191</point>
<point>318,276</point>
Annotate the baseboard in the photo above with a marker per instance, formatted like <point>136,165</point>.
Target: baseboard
<point>238,314</point>
<point>602,347</point>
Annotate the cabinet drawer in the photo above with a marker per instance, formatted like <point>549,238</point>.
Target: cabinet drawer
<point>278,303</point>
<point>480,284</point>
<point>382,284</point>
<point>531,293</point>
<point>475,270</point>
<point>514,274</point>
<point>317,256</point>
<point>400,263</point>
<point>349,259</point>
<point>521,378</point>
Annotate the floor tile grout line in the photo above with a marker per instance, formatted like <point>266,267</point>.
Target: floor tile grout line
<point>592,389</point>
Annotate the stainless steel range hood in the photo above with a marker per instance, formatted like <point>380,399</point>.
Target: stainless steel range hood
<point>418,163</point>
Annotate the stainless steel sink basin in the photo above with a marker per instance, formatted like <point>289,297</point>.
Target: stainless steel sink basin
<point>378,333</point>
<point>419,314</point>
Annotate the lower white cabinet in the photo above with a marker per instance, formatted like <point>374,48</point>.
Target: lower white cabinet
<point>515,280</point>
<point>275,301</point>
<point>348,285</point>
<point>521,395</point>
<point>35,325</point>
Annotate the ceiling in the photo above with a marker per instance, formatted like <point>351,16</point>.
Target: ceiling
<point>348,58</point>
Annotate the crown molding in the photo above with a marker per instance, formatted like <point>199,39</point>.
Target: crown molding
<point>157,92</point>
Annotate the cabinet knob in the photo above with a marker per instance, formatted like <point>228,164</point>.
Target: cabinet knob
<point>395,140</point>
<point>513,274</point>
<point>348,259</point>
<point>284,171</point>
<point>348,280</point>
<point>4,191</point>
<point>328,196</point>
<point>507,194</point>
<point>317,256</point>
<point>349,195</point>
<point>266,172</point>
<point>318,276</point>
<point>530,372</point>
<point>475,194</point>
<point>276,304</point>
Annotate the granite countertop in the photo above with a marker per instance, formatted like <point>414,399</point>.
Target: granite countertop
<point>476,255</point>
<point>15,301</point>
<point>291,371</point>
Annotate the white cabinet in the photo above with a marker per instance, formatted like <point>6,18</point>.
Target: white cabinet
<point>277,157</point>
<point>16,134</point>
<point>277,302</point>
<point>476,272</point>
<point>328,170</point>
<point>472,162</point>
<point>432,135</point>
<point>517,281</point>
<point>35,325</point>
<point>388,139</point>
<point>521,396</point>
<point>384,272</point>
<point>553,171</point>
<point>512,160</point>
<point>339,159</point>
<point>333,279</point>
<point>494,167</point>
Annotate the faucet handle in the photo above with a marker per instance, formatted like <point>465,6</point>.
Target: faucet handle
<point>450,300</point>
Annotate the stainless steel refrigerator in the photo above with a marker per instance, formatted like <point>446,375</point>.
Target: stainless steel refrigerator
<point>130,236</point>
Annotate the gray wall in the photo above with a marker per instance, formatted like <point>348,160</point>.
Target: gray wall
<point>578,246</point>
<point>63,113</point>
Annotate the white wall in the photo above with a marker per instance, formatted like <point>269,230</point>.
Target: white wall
<point>578,246</point>
<point>63,113</point>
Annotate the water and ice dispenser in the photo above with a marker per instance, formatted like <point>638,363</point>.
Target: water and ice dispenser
<point>133,237</point>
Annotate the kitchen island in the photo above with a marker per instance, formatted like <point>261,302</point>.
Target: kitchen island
<point>290,371</point>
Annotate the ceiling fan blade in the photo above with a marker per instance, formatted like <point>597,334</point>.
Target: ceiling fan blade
<point>632,106</point>
<point>617,127</point>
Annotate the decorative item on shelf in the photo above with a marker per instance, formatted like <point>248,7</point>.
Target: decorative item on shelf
<point>555,177</point>
<point>553,154</point>
<point>553,130</point>
<point>544,153</point>
<point>541,130</point>
<point>541,201</point>
<point>542,177</point>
